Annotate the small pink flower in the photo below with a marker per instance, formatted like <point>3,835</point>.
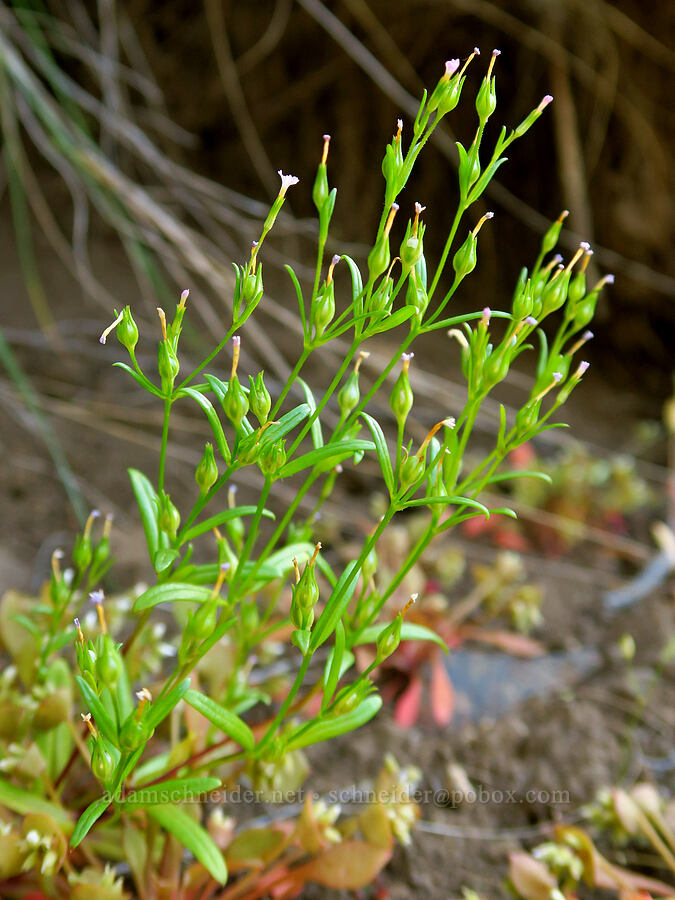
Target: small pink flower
<point>286,182</point>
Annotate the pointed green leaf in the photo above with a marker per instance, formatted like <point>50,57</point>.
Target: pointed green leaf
<point>410,631</point>
<point>286,423</point>
<point>193,837</point>
<point>382,451</point>
<point>163,706</point>
<point>101,718</point>
<point>336,606</point>
<point>301,300</point>
<point>220,519</point>
<point>172,592</point>
<point>144,382</point>
<point>164,558</point>
<point>520,473</point>
<point>147,505</point>
<point>222,718</point>
<point>388,323</point>
<point>357,281</point>
<point>333,669</point>
<point>323,729</point>
<point>333,452</point>
<point>24,802</point>
<point>214,421</point>
<point>89,818</point>
<point>317,435</point>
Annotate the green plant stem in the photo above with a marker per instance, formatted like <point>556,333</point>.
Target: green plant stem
<point>291,380</point>
<point>200,368</point>
<point>283,709</point>
<point>165,439</point>
<point>461,209</point>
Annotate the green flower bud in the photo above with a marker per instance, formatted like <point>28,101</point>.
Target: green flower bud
<point>109,662</point>
<point>379,256</point>
<point>235,402</point>
<point>102,764</point>
<point>523,300</point>
<point>392,166</point>
<point>305,593</point>
<point>464,261</point>
<point>530,119</point>
<point>389,639</point>
<point>416,295</point>
<point>496,368</point>
<point>412,245</point>
<point>167,364</point>
<point>554,294</point>
<point>259,399</point>
<point>206,473</point>
<point>135,731</point>
<point>320,189</point>
<point>323,308</point>
<point>486,101</point>
<point>446,94</point>
<point>174,330</point>
<point>127,330</point>
<point>401,397</point>
<point>412,470</point>
<point>349,394</point>
<point>168,518</point>
<point>252,288</point>
<point>272,458</point>
<point>380,299</point>
<point>550,239</point>
<point>82,549</point>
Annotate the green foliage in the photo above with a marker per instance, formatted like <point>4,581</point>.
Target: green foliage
<point>226,611</point>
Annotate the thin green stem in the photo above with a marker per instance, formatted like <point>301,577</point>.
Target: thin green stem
<point>165,439</point>
<point>461,209</point>
<point>283,709</point>
<point>291,380</point>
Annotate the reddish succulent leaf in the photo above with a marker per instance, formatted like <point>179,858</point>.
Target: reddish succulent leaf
<point>347,866</point>
<point>517,644</point>
<point>615,878</point>
<point>407,707</point>
<point>255,848</point>
<point>531,877</point>
<point>442,693</point>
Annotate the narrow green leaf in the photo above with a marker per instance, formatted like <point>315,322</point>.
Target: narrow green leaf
<point>382,451</point>
<point>23,802</point>
<point>89,818</point>
<point>504,511</point>
<point>317,434</point>
<point>171,592</point>
<point>214,421</point>
<point>388,323</point>
<point>301,299</point>
<point>222,718</point>
<point>327,728</point>
<point>336,606</point>
<point>508,476</point>
<point>333,666</point>
<point>101,718</point>
<point>144,382</point>
<point>333,452</point>
<point>174,790</point>
<point>26,623</point>
<point>193,837</point>
<point>162,707</point>
<point>357,281</point>
<point>410,631</point>
<point>286,423</point>
<point>147,505</point>
<point>220,519</point>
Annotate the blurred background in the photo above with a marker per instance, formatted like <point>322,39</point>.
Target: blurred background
<point>140,145</point>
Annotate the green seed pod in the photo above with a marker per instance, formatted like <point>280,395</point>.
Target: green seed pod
<point>416,295</point>
<point>464,261</point>
<point>82,552</point>
<point>389,639</point>
<point>392,165</point>
<point>378,258</point>
<point>127,330</point>
<point>259,399</point>
<point>167,364</point>
<point>252,288</point>
<point>496,368</point>
<point>349,394</point>
<point>401,397</point>
<point>235,402</point>
<point>486,101</point>
<point>554,294</point>
<point>369,567</point>
<point>272,458</point>
<point>527,417</point>
<point>168,518</point>
<point>412,470</point>
<point>134,733</point>
<point>577,289</point>
<point>550,239</point>
<point>109,662</point>
<point>323,309</point>
<point>206,473</point>
<point>446,94</point>
<point>320,188</point>
<point>102,764</point>
<point>523,300</point>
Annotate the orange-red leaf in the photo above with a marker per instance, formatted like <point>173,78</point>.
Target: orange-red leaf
<point>347,866</point>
